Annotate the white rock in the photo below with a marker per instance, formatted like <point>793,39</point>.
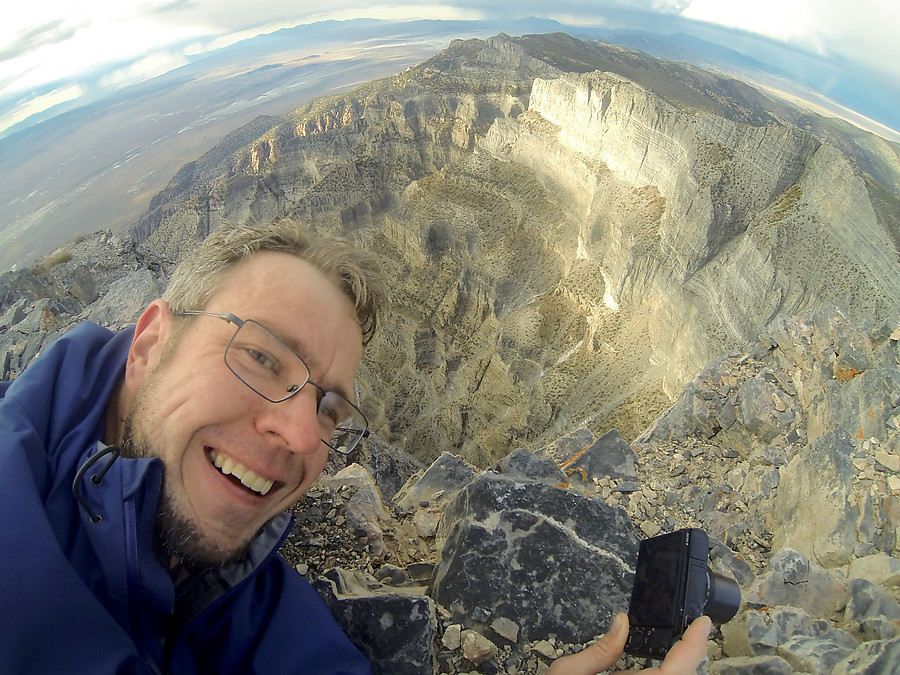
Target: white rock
<point>451,637</point>
<point>506,628</point>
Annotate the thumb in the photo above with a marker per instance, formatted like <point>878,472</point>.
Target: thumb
<point>600,656</point>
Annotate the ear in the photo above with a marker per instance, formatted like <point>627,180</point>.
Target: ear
<point>150,337</point>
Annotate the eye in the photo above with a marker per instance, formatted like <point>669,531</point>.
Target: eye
<point>262,359</point>
<point>328,412</point>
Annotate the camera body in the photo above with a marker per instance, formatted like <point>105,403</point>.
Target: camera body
<point>673,585</point>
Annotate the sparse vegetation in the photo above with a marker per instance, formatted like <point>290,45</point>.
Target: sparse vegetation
<point>48,262</point>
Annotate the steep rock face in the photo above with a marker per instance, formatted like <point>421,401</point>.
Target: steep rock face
<point>755,221</point>
<point>563,250</point>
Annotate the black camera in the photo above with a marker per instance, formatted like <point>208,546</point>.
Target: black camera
<point>673,585</point>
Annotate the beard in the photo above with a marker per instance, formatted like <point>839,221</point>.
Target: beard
<point>177,538</point>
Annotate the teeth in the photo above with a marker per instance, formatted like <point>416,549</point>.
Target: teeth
<point>247,477</point>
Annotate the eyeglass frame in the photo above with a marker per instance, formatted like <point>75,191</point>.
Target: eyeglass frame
<point>237,321</point>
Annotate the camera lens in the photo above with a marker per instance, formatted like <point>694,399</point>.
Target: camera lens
<point>723,600</point>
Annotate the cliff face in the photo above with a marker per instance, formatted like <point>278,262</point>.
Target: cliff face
<point>566,246</point>
<point>754,221</point>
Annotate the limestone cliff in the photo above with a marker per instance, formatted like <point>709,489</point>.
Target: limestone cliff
<point>571,230</point>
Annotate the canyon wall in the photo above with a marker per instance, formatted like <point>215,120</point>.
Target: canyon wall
<point>565,246</point>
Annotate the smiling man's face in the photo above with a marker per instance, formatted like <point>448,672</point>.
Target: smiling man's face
<point>234,460</point>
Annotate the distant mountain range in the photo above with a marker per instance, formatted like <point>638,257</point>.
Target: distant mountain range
<point>98,166</point>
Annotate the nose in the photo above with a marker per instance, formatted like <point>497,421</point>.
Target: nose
<point>293,422</point>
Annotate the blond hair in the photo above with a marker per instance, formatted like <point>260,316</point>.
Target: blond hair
<point>200,274</point>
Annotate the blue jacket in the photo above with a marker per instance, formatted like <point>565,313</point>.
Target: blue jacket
<point>78,596</point>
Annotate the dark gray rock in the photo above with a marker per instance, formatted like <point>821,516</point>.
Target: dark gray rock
<point>722,555</point>
<point>548,559</point>
<point>756,410</point>
<point>395,631</point>
<point>443,479</point>
<point>868,600</point>
<point>795,580</point>
<point>389,465</point>
<point>809,654</point>
<point>609,456</point>
<point>522,463</point>
<point>878,657</point>
<point>878,628</point>
<point>125,300</point>
<point>751,665</point>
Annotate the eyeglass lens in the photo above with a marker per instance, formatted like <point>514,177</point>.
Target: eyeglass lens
<point>269,367</point>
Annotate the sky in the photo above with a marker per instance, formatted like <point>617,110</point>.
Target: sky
<point>56,51</point>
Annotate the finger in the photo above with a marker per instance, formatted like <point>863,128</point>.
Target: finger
<point>688,652</point>
<point>600,656</point>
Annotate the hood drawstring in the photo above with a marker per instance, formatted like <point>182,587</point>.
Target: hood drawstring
<point>96,479</point>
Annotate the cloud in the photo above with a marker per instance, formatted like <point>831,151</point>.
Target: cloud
<point>35,37</point>
<point>864,30</point>
<point>144,68</point>
<point>174,6</point>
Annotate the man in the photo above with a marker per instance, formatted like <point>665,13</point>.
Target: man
<point>144,475</point>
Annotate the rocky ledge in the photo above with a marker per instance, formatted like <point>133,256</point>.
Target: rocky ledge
<point>787,454</point>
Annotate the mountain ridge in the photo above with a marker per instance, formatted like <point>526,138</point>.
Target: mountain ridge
<point>572,242</point>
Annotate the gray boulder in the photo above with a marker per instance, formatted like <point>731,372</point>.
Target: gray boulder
<point>554,562</point>
<point>394,627</point>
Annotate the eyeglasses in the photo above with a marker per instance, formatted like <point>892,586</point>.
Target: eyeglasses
<point>261,360</point>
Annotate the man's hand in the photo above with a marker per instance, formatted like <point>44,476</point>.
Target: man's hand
<point>682,659</point>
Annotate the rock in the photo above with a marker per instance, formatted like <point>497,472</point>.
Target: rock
<point>879,569</point>
<point>723,559</point>
<point>446,475</point>
<point>649,529</point>
<point>391,574</point>
<point>757,413</point>
<point>878,628</point>
<point>545,649</point>
<point>523,463</point>
<point>506,628</point>
<point>755,665</point>
<point>813,655</point>
<point>556,559</point>
<point>609,456</point>
<point>572,443</point>
<point>420,571</point>
<point>814,488</point>
<point>888,461</point>
<point>390,465</point>
<point>476,648</point>
<point>395,630</point>
<point>880,656</point>
<point>365,511</point>
<point>452,636</point>
<point>125,300</point>
<point>795,580</point>
<point>426,523</point>
<point>747,635</point>
<point>869,601</point>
